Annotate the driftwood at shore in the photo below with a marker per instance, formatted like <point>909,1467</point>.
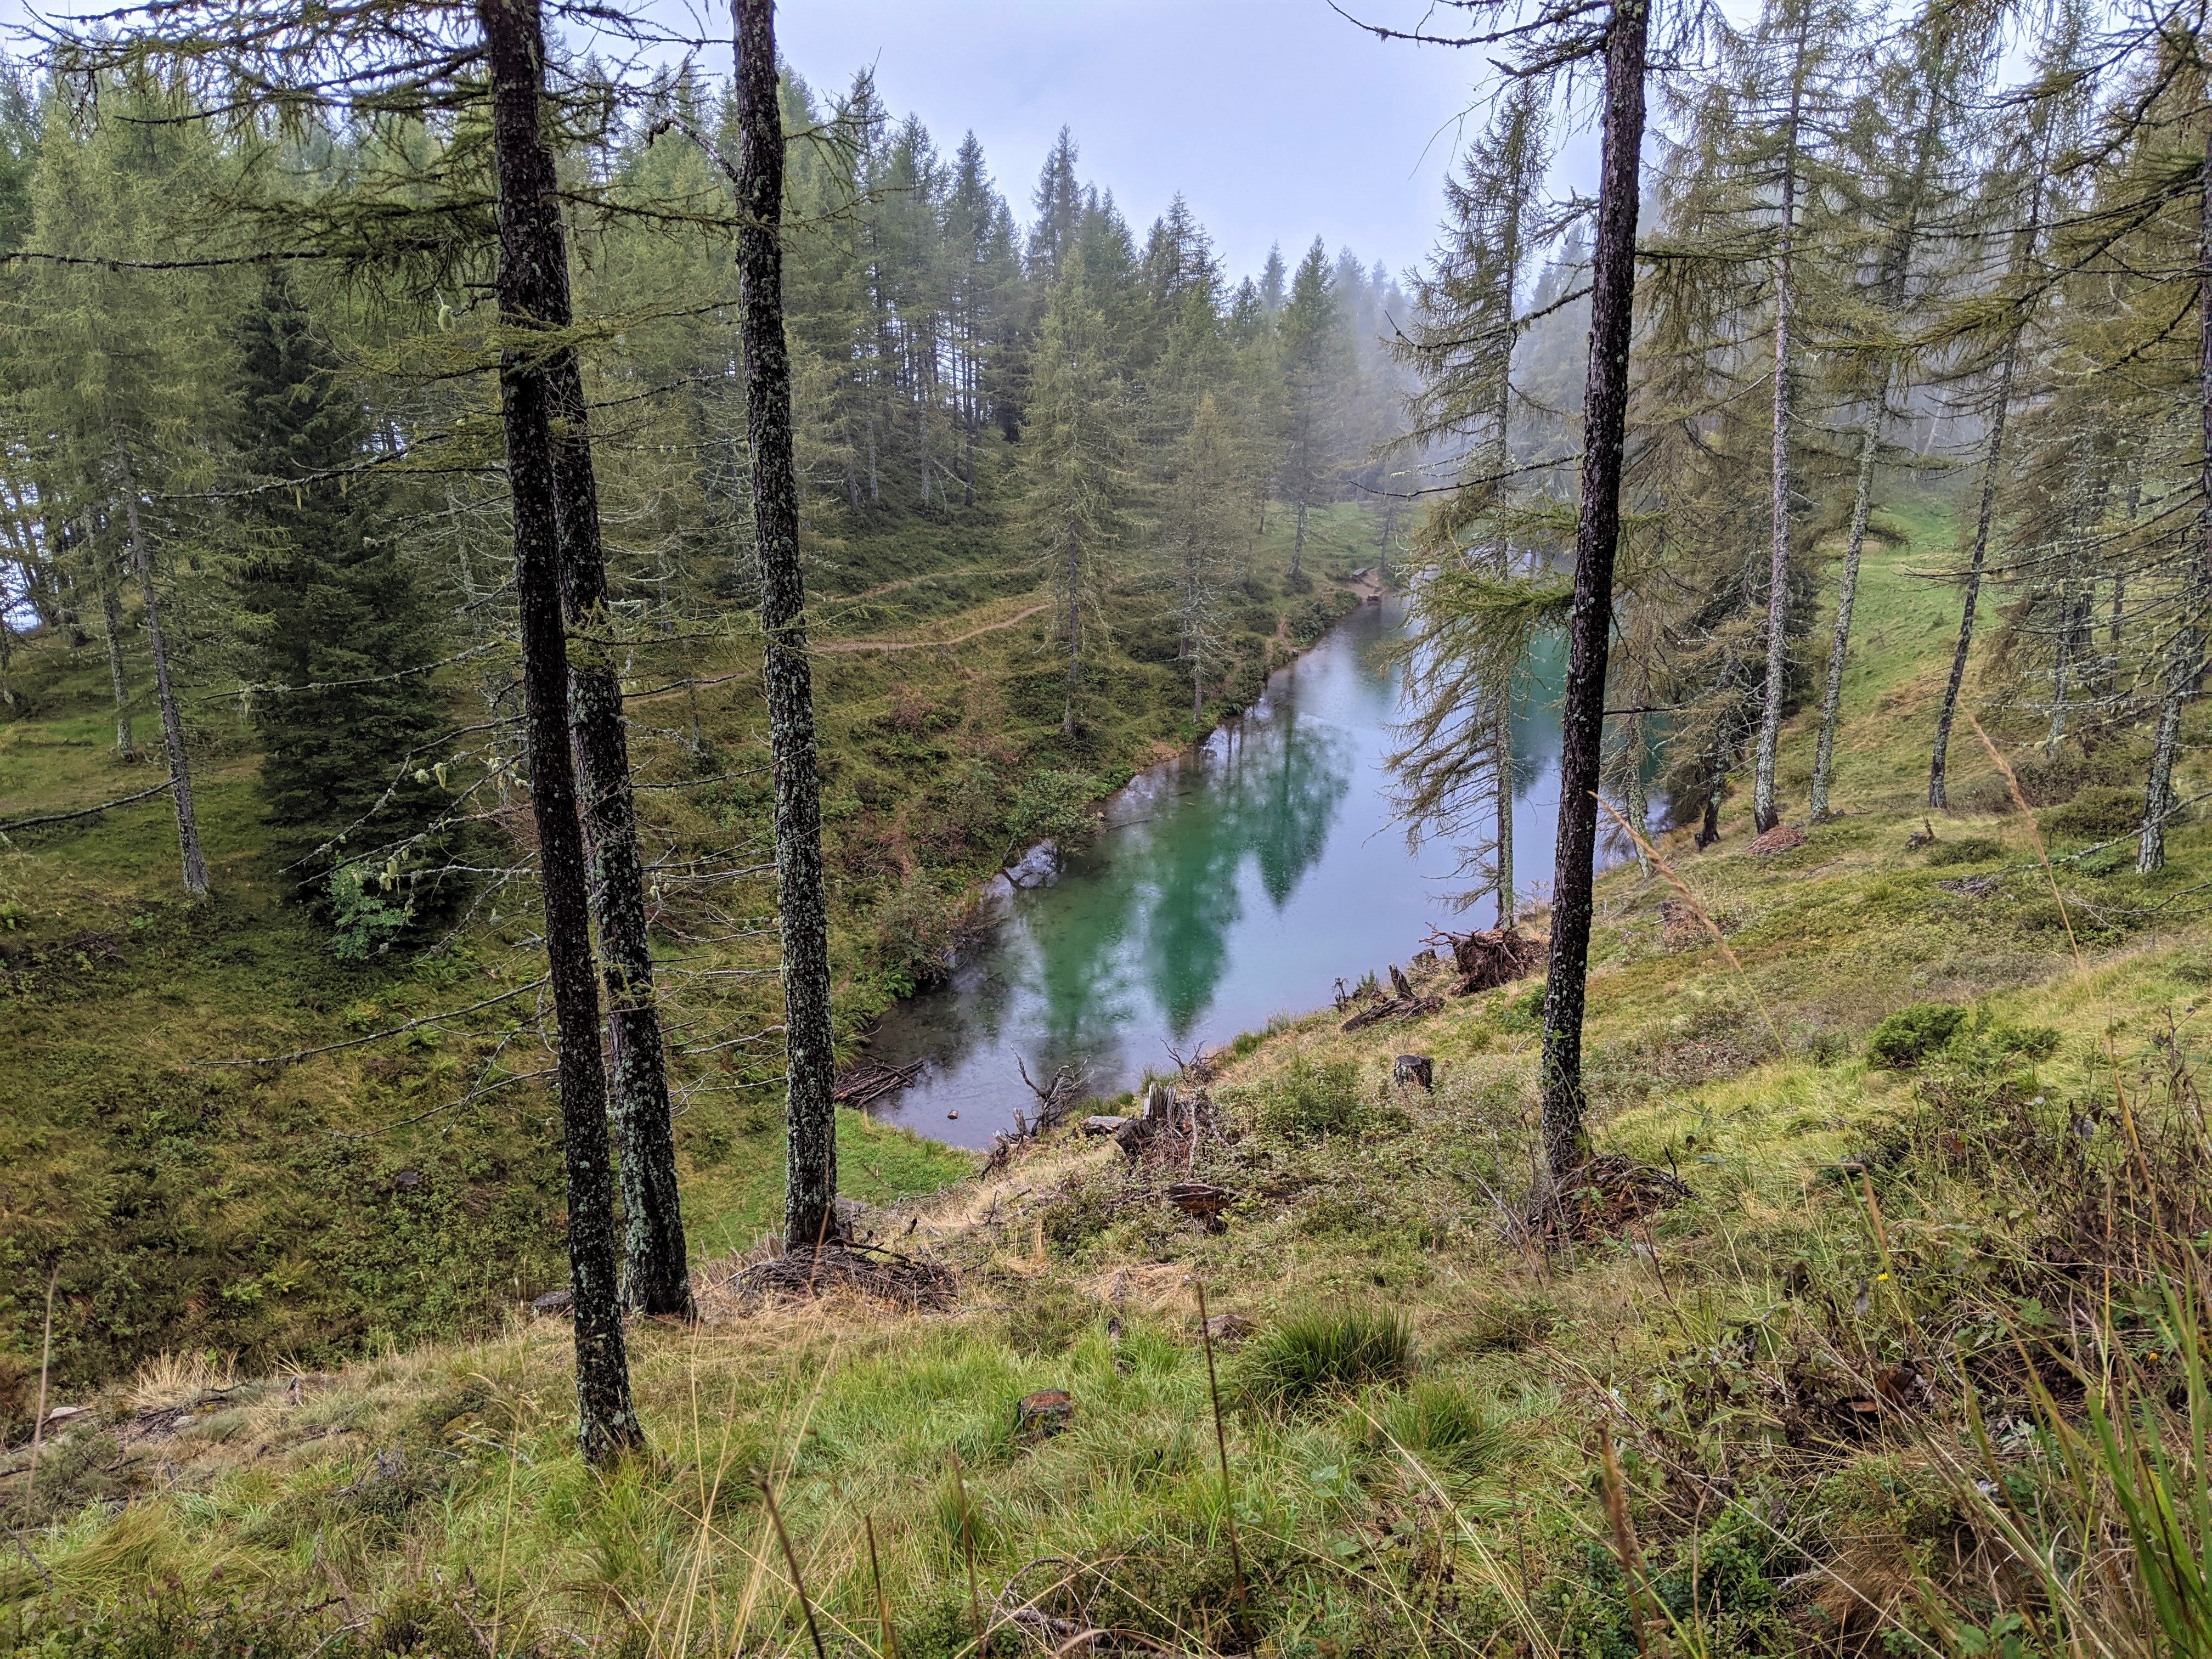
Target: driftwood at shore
<point>871,1081</point>
<point>1392,1008</point>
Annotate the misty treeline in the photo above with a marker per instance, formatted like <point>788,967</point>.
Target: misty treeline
<point>1964,245</point>
<point>417,401</point>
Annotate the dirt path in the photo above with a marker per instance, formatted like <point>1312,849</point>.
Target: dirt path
<point>836,645</point>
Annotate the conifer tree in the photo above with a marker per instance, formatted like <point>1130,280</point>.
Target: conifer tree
<point>1077,464</point>
<point>1315,362</point>
<point>341,639</point>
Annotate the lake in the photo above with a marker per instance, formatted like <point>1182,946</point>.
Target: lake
<point>1238,883</point>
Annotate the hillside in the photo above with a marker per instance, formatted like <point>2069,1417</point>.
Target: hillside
<point>197,1192</point>
<point>1834,1380</point>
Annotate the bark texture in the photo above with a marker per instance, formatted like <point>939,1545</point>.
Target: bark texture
<point>111,623</point>
<point>656,1275</point>
<point>2185,656</point>
<point>1847,593</point>
<point>1940,760</point>
<point>533,263</point>
<point>811,1189</point>
<point>1762,810</point>
<point>1597,537</point>
<point>173,724</point>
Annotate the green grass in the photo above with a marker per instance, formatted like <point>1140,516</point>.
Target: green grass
<point>1986,1220</point>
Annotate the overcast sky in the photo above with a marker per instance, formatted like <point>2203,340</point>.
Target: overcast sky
<point>1278,120</point>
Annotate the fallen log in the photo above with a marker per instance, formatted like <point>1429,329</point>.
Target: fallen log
<point>869,1082</point>
<point>1392,1008</point>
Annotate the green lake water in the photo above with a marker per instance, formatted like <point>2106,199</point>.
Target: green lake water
<point>1236,884</point>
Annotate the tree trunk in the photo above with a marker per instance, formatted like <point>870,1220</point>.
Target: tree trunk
<point>1074,636</point>
<point>1763,810</point>
<point>1502,740</point>
<point>2185,661</point>
<point>173,724</point>
<point>1847,593</point>
<point>810,1188</point>
<point>657,1275</point>
<point>529,278</point>
<point>1597,536</point>
<point>1936,794</point>
<point>1298,541</point>
<point>111,628</point>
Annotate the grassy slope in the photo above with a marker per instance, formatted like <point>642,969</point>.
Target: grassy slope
<point>309,1212</point>
<point>431,1491</point>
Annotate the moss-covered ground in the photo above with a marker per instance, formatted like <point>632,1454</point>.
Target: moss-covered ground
<point>1815,1399</point>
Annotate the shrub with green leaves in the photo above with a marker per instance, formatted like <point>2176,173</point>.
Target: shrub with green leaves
<point>364,922</point>
<point>1323,1352</point>
<point>1306,1099</point>
<point>1912,1034</point>
<point>1054,806</point>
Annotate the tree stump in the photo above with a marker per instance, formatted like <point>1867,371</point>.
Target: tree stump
<point>1414,1068</point>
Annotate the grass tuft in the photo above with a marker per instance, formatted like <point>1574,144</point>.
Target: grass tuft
<point>1322,1352</point>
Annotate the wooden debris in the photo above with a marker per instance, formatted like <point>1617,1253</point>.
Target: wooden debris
<point>1782,838</point>
<point>871,1081</point>
<point>1392,1008</point>
<point>1038,1415</point>
<point>1493,957</point>
<point>805,1275</point>
<point>1414,1068</point>
<point>1602,1198</point>
<point>1203,1201</point>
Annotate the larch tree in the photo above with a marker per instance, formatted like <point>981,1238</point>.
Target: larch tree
<point>1455,769</point>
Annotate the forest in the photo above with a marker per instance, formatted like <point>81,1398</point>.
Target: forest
<point>551,569</point>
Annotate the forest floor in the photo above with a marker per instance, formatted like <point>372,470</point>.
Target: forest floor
<point>197,1190</point>
<point>1896,1160</point>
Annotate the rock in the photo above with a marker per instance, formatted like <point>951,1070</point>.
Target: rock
<point>555,1305</point>
<point>1038,867</point>
<point>63,1413</point>
<point>1782,838</point>
<point>1043,1414</point>
<point>1103,1124</point>
<point>407,1180</point>
<point>1228,1329</point>
<point>1414,1068</point>
<point>955,1112</point>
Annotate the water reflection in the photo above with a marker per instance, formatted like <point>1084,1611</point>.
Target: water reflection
<point>1231,885</point>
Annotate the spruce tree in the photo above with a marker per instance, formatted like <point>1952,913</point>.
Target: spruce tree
<point>340,636</point>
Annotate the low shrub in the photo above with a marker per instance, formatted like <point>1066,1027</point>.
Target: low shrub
<point>1912,1034</point>
<point>1969,849</point>
<point>1321,1353</point>
<point>2101,814</point>
<point>1306,1099</point>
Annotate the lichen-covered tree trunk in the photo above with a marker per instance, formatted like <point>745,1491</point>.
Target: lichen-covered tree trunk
<point>173,724</point>
<point>1597,539</point>
<point>2186,655</point>
<point>1764,813</point>
<point>111,628</point>
<point>531,263</point>
<point>811,1186</point>
<point>657,1277</point>
<point>1991,465</point>
<point>1847,593</point>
